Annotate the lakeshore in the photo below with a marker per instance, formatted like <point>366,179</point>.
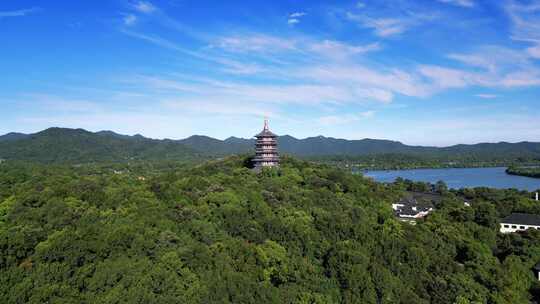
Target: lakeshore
<point>457,178</point>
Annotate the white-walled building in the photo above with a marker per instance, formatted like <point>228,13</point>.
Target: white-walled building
<point>536,270</point>
<point>516,222</point>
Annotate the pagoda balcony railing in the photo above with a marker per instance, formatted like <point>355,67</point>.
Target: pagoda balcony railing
<point>260,159</point>
<point>267,156</point>
<point>269,143</point>
<point>267,137</point>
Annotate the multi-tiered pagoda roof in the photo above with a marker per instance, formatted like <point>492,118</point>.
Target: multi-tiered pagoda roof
<point>266,154</point>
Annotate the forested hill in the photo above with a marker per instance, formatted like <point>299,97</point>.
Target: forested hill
<point>57,145</point>
<point>221,233</point>
<point>77,145</point>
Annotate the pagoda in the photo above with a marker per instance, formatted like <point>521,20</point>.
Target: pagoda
<point>266,154</point>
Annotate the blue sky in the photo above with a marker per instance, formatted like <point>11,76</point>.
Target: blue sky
<point>436,72</point>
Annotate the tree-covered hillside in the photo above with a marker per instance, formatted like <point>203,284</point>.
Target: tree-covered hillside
<point>221,233</point>
<point>60,145</point>
<point>524,171</point>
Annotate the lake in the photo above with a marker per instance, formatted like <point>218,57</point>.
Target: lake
<point>461,178</point>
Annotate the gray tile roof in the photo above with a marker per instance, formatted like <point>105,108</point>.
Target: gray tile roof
<point>266,133</point>
<point>522,218</point>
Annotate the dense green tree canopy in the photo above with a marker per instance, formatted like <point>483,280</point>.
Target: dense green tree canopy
<point>530,171</point>
<point>222,233</point>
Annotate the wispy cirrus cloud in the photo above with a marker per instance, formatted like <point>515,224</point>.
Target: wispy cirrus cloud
<point>292,21</point>
<point>391,25</point>
<point>294,18</point>
<point>130,20</point>
<point>486,96</point>
<point>161,42</point>
<point>297,15</point>
<point>525,20</point>
<point>462,3</point>
<point>144,7</point>
<point>331,72</point>
<point>336,49</point>
<point>18,13</point>
<point>360,4</point>
<point>382,27</point>
<point>325,71</point>
<point>255,43</point>
<point>534,51</point>
<point>493,58</point>
<point>344,119</point>
<point>368,83</point>
<point>500,66</point>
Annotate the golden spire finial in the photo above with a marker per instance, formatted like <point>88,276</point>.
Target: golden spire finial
<point>266,123</point>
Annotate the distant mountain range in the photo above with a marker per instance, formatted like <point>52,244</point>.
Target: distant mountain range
<point>77,145</point>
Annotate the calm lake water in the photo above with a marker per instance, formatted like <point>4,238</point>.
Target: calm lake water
<point>461,178</point>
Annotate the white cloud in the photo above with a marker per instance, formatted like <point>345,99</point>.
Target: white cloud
<point>240,68</point>
<point>328,72</point>
<point>256,43</point>
<point>525,20</point>
<point>360,4</point>
<point>523,78</point>
<point>493,58</point>
<point>161,42</point>
<point>311,92</point>
<point>130,20</point>
<point>18,13</point>
<point>367,114</point>
<point>336,49</point>
<point>293,21</point>
<point>344,119</point>
<point>219,106</point>
<point>297,15</point>
<point>383,27</point>
<point>476,60</point>
<point>462,3</point>
<point>260,44</point>
<point>144,7</point>
<point>294,18</point>
<point>526,24</point>
<point>443,78</point>
<point>534,51</point>
<point>392,20</point>
<point>486,96</point>
<point>372,83</point>
<point>502,67</point>
<point>381,95</point>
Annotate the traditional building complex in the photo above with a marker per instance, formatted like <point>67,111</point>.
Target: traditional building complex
<point>266,154</point>
<point>517,222</point>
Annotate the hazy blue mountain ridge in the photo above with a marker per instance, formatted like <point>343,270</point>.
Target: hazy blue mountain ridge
<point>78,145</point>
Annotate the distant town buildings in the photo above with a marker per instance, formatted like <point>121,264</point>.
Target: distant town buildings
<point>517,222</point>
<point>266,154</point>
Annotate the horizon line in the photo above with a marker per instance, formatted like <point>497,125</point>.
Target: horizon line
<point>309,137</point>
